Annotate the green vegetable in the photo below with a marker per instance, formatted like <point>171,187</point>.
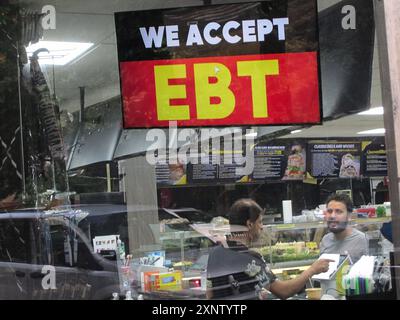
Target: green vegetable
<point>380,211</point>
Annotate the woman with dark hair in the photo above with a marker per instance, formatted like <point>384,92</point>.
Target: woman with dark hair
<point>247,213</point>
<point>245,219</point>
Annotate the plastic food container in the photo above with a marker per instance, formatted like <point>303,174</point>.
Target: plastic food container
<point>314,293</point>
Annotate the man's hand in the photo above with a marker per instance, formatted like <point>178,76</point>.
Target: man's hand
<point>319,266</point>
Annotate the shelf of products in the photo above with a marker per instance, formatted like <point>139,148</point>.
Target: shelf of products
<point>297,244</point>
<point>322,224</point>
<point>289,249</point>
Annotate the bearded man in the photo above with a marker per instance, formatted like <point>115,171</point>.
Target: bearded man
<point>342,238</point>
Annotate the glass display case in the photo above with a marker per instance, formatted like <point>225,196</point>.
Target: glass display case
<point>288,249</point>
<point>170,259</point>
<point>291,248</point>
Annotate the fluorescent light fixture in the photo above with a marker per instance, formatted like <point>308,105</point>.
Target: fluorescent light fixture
<point>60,53</point>
<point>295,131</point>
<point>373,131</point>
<point>372,112</point>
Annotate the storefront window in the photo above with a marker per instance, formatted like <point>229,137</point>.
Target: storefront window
<point>125,148</point>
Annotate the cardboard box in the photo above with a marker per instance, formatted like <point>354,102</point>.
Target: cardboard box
<point>170,281</point>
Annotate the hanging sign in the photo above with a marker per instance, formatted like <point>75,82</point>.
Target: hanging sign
<point>238,64</point>
<point>374,158</point>
<point>335,159</point>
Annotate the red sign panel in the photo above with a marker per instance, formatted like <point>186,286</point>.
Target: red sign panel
<point>220,91</point>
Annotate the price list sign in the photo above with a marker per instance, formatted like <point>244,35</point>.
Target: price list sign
<point>335,159</point>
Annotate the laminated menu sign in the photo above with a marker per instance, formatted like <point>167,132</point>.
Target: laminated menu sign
<point>201,172</point>
<point>284,160</point>
<point>252,63</point>
<point>216,170</point>
<point>170,172</point>
<point>227,172</point>
<point>335,159</point>
<point>268,162</point>
<point>374,159</point>
<point>296,162</point>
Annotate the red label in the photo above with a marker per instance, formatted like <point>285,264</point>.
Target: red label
<point>222,91</point>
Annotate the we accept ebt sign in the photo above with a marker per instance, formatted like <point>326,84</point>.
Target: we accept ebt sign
<point>224,65</point>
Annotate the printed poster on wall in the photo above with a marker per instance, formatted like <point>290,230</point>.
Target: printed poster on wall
<point>202,172</point>
<point>296,162</point>
<point>251,63</point>
<point>269,162</point>
<point>221,168</point>
<point>281,159</point>
<point>334,159</point>
<point>374,159</point>
<point>169,173</point>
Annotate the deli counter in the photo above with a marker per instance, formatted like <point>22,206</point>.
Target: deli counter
<point>183,268</point>
<point>91,250</point>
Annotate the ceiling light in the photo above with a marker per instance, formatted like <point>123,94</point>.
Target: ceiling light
<point>373,131</point>
<point>60,53</point>
<point>295,131</point>
<point>372,112</point>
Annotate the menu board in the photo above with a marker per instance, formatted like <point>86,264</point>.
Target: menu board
<point>218,169</point>
<point>335,159</point>
<point>202,172</point>
<point>281,159</point>
<point>374,159</point>
<point>227,171</point>
<point>269,162</point>
<point>296,162</point>
<point>170,172</point>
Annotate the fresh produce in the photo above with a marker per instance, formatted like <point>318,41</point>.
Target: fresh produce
<point>293,251</point>
<point>380,211</point>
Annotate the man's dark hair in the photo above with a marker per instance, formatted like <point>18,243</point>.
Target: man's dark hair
<point>343,198</point>
<point>243,210</point>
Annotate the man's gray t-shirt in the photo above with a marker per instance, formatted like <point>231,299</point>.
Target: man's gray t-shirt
<point>356,245</point>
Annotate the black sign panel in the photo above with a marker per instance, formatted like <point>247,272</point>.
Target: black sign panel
<point>221,168</point>
<point>334,159</point>
<point>190,23</point>
<point>269,162</point>
<point>346,57</point>
<point>281,159</point>
<point>374,159</point>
